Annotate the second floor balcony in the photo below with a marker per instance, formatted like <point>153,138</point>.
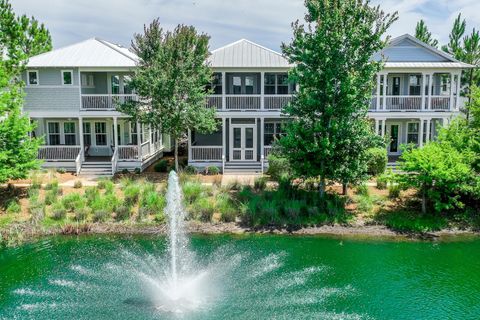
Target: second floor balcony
<point>105,101</point>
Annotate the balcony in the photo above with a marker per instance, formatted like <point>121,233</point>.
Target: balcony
<point>102,102</point>
<point>232,102</point>
<point>412,103</point>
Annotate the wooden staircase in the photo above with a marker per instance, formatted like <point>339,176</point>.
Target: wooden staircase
<point>244,167</point>
<point>96,168</point>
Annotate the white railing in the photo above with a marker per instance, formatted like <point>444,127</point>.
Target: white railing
<point>223,163</point>
<point>244,102</point>
<point>440,103</point>
<point>403,103</point>
<point>277,102</point>
<point>145,149</point>
<point>267,150</point>
<point>78,162</point>
<point>58,153</point>
<point>206,153</point>
<point>105,101</point>
<point>127,153</point>
<point>114,161</point>
<point>214,102</point>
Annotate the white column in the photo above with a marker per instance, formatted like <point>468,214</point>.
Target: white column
<point>384,127</point>
<point>80,137</point>
<point>423,90</point>
<point>376,126</point>
<point>452,77</point>
<point>262,90</point>
<point>139,142</point>
<point>430,89</point>
<point>189,145</point>
<point>262,147</point>
<point>115,134</point>
<point>224,138</point>
<point>224,90</point>
<point>428,129</point>
<point>377,107</point>
<point>420,142</point>
<point>459,87</point>
<point>385,79</point>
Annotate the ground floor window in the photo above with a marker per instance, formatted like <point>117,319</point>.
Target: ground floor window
<point>69,130</point>
<point>87,134</point>
<point>133,133</point>
<point>53,133</point>
<point>412,132</point>
<point>100,133</point>
<point>272,131</point>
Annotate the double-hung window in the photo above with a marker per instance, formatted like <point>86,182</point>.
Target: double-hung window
<point>53,133</point>
<point>67,77</point>
<point>69,131</point>
<point>100,133</point>
<point>272,131</point>
<point>87,133</point>
<point>32,78</point>
<point>88,80</point>
<point>133,133</point>
<point>415,87</point>
<point>277,83</point>
<point>412,132</point>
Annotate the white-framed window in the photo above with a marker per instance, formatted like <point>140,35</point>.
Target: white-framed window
<point>70,133</point>
<point>88,80</point>
<point>415,87</point>
<point>53,133</point>
<point>277,83</point>
<point>32,78</point>
<point>271,132</point>
<point>100,133</point>
<point>87,133</point>
<point>413,129</point>
<point>67,77</point>
<point>133,133</point>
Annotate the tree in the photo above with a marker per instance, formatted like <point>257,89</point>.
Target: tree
<point>422,34</point>
<point>333,67</point>
<point>20,37</point>
<point>170,80</point>
<point>454,46</point>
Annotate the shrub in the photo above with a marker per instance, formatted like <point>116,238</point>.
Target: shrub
<point>109,187</point>
<point>226,207</point>
<point>61,170</point>
<point>293,209</point>
<point>234,185</point>
<point>53,185</point>
<point>364,203</point>
<point>51,197</point>
<point>377,161</point>
<point>14,206</point>
<point>192,190</point>
<point>278,167</point>
<point>152,202</point>
<point>101,183</point>
<point>137,170</point>
<point>259,184</point>
<point>190,170</point>
<point>212,170</point>
<point>203,209</point>
<point>125,182</point>
<point>122,213</point>
<point>131,194</point>
<point>72,200</point>
<point>161,166</point>
<point>124,171</point>
<point>91,194</point>
<point>382,182</point>
<point>362,190</point>
<point>58,211</point>
<point>100,215</point>
<point>36,180</point>
<point>37,212</point>
<point>394,190</point>
<point>80,214</point>
<point>77,184</point>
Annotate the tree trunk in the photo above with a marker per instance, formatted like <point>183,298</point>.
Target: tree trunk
<point>176,154</point>
<point>344,188</point>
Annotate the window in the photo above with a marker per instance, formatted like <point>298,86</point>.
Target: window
<point>133,133</point>
<point>216,85</point>
<point>272,131</point>
<point>277,83</point>
<point>100,133</point>
<point>444,86</point>
<point>67,77</point>
<point>115,84</point>
<point>88,80</point>
<point>32,78</point>
<point>415,87</point>
<point>412,132</point>
<point>249,84</point>
<point>127,88</point>
<point>53,133</point>
<point>270,83</point>
<point>69,131</point>
<point>396,86</point>
<point>282,84</point>
<point>87,134</point>
<point>237,85</point>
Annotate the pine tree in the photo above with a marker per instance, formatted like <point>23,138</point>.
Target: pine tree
<point>328,133</point>
<point>422,34</point>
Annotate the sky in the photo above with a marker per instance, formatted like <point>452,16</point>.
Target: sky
<point>267,22</point>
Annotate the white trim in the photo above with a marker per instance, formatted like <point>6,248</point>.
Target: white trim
<point>60,130</point>
<point>388,132</point>
<point>63,79</point>
<point>243,141</point>
<point>407,132</point>
<point>28,78</point>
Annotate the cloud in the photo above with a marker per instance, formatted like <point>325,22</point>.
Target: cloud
<point>264,21</point>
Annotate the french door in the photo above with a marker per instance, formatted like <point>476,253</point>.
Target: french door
<point>243,142</point>
<point>393,132</point>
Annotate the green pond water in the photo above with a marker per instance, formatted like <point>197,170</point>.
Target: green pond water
<point>247,277</point>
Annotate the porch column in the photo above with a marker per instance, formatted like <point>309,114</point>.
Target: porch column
<point>376,125</point>
<point>115,135</point>
<point>262,90</point>
<point>459,88</point>
<point>452,77</point>
<point>224,139</point>
<point>430,89</point>
<point>139,143</point>
<point>224,90</point>
<point>377,106</point>
<point>420,142</point>
<point>262,147</point>
<point>385,78</point>
<point>189,144</point>
<point>80,137</point>
<point>427,136</point>
<point>423,91</point>
<point>384,127</point>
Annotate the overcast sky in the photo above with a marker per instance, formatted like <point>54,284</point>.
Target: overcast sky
<point>263,21</point>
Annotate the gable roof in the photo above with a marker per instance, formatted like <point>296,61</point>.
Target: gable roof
<point>246,54</point>
<point>93,52</point>
<point>408,51</point>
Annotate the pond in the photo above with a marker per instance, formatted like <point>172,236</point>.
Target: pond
<point>242,277</point>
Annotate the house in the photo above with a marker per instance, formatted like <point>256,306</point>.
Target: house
<point>72,93</point>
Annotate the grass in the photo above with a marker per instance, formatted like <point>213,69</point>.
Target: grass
<point>408,221</point>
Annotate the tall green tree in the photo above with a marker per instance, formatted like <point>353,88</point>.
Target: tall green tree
<point>422,34</point>
<point>454,46</point>
<point>20,37</point>
<point>332,54</point>
<point>170,79</point>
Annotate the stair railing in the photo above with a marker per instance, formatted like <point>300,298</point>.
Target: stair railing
<point>114,161</point>
<point>79,162</point>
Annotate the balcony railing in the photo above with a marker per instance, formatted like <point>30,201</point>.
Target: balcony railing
<point>206,153</point>
<point>410,103</point>
<point>127,153</point>
<point>105,101</point>
<point>243,102</point>
<point>58,153</point>
<point>248,102</point>
<point>277,102</point>
<point>440,103</point>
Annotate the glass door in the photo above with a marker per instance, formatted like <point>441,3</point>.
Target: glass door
<point>394,134</point>
<point>243,142</point>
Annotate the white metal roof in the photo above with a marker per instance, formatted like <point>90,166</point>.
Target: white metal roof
<point>93,52</point>
<point>427,65</point>
<point>246,54</point>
